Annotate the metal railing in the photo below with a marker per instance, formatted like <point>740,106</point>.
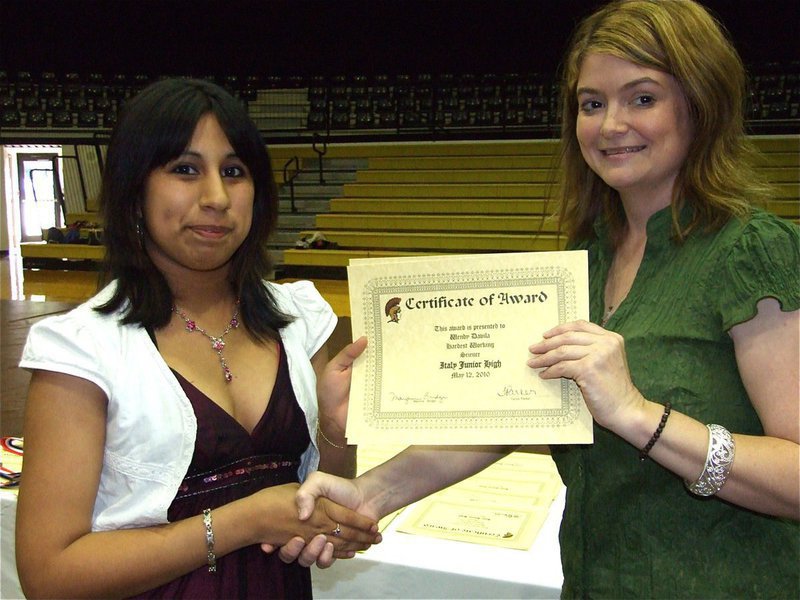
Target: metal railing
<point>290,177</point>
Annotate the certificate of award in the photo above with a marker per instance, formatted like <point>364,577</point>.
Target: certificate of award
<point>448,344</point>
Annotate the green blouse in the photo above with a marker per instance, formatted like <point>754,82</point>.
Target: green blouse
<point>630,528</point>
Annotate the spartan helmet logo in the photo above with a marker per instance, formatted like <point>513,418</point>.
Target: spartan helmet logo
<point>392,310</point>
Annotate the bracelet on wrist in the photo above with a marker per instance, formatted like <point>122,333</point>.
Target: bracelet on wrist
<point>657,434</point>
<point>719,459</point>
<point>328,441</point>
<point>212,558</point>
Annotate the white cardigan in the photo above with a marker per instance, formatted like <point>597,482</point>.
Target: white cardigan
<point>151,426</point>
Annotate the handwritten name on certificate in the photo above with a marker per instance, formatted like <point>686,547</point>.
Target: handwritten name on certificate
<point>448,341</point>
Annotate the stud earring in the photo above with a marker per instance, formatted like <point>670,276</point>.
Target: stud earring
<point>140,231</point>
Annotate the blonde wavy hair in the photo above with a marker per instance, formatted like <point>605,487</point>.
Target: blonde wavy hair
<point>679,37</point>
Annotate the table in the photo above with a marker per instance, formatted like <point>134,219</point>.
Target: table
<point>411,566</point>
<point>9,582</point>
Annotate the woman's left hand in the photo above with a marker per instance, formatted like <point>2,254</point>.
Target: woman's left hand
<point>595,359</point>
<point>333,387</point>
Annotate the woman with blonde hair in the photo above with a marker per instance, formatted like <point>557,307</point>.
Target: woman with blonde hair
<point>717,177</point>
<point>690,365</point>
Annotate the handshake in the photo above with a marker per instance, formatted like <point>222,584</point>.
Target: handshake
<point>343,500</point>
<point>356,505</point>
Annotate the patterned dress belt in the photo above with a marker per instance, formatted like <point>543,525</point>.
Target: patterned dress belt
<point>263,468</point>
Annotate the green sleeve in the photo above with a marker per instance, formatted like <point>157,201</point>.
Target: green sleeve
<point>764,262</point>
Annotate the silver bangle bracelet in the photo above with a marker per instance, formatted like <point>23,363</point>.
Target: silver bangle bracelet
<point>212,558</point>
<point>721,451</point>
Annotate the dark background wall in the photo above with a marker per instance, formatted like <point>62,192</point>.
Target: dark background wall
<point>331,36</point>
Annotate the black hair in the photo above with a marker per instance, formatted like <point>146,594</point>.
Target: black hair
<point>154,128</point>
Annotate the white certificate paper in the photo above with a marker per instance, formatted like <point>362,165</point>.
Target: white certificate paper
<point>448,340</point>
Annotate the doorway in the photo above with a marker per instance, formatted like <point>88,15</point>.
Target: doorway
<point>39,206</point>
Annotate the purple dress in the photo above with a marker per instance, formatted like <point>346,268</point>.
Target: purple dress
<point>228,464</point>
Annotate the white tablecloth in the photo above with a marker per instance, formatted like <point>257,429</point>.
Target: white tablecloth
<point>402,566</point>
<point>412,566</point>
<point>9,582</point>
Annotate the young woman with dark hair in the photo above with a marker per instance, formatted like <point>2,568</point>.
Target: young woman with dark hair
<point>171,417</point>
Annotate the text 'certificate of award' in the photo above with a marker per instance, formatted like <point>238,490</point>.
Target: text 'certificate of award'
<point>448,342</point>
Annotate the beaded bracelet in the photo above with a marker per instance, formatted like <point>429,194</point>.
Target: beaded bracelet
<point>212,558</point>
<point>719,458</point>
<point>657,434</point>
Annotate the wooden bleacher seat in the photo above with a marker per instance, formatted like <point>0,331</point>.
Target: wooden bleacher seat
<point>433,198</point>
<point>61,252</point>
<point>780,164</point>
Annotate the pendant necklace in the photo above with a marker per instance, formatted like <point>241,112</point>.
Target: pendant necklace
<point>607,315</point>
<point>609,308</point>
<point>217,343</point>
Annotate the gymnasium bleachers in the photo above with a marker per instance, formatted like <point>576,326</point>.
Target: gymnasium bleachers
<point>781,166</point>
<point>394,199</point>
<point>433,198</point>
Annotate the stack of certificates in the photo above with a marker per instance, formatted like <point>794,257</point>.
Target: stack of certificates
<point>504,505</point>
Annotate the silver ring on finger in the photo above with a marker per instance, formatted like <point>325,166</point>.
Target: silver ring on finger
<point>336,531</point>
